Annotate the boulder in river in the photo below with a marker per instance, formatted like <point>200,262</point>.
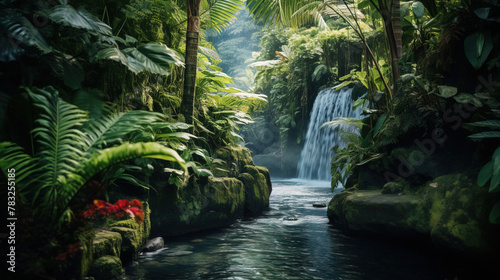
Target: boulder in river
<point>319,205</point>
<point>154,244</point>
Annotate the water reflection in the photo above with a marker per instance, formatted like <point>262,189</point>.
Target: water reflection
<point>271,247</point>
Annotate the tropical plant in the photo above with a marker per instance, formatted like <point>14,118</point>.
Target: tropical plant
<point>70,150</point>
<point>221,12</point>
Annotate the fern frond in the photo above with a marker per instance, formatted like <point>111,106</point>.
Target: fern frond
<point>113,127</point>
<point>58,135</point>
<point>26,169</point>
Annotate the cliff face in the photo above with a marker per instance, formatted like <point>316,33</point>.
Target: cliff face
<point>451,210</point>
<point>243,189</point>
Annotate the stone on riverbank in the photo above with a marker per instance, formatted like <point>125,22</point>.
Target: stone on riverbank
<point>451,210</point>
<point>213,202</point>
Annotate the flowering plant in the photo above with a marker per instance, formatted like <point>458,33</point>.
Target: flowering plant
<point>120,209</point>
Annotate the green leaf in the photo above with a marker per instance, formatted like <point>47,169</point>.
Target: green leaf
<point>446,91</point>
<point>418,9</point>
<point>466,98</point>
<point>478,47</point>
<point>486,134</point>
<point>495,214</point>
<point>379,124</point>
<point>154,58</point>
<point>67,15</point>
<point>485,174</point>
<point>491,124</point>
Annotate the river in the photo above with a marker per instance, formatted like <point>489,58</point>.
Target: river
<point>292,240</point>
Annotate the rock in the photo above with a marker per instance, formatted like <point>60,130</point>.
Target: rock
<point>319,204</point>
<point>393,188</point>
<point>107,243</point>
<point>82,260</point>
<point>257,190</point>
<point>216,202</point>
<point>453,213</point>
<point>107,268</point>
<point>153,245</point>
<point>131,243</point>
<point>219,202</point>
<point>235,160</point>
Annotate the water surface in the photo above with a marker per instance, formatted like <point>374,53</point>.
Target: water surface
<point>292,240</point>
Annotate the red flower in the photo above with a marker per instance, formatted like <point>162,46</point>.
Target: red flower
<point>123,203</point>
<point>136,203</point>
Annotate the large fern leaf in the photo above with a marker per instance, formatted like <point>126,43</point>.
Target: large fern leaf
<point>59,139</point>
<point>28,173</point>
<point>113,127</point>
<point>103,159</point>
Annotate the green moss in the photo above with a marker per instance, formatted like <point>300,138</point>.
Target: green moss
<point>106,268</point>
<point>107,243</point>
<point>131,242</point>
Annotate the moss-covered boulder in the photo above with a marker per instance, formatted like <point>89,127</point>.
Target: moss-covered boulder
<point>82,259</point>
<point>235,158</point>
<point>106,243</point>
<point>243,189</point>
<point>451,210</point>
<point>107,268</point>
<point>219,202</point>
<point>372,211</point>
<point>257,189</point>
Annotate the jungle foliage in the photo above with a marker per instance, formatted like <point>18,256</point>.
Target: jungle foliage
<point>90,100</point>
<point>427,67</point>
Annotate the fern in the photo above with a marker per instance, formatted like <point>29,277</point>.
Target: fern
<point>67,156</point>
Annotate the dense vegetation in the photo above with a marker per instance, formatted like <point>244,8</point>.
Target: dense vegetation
<point>428,69</point>
<point>91,94</point>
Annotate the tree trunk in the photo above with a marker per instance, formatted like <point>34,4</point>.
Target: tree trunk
<point>193,29</point>
<point>392,26</point>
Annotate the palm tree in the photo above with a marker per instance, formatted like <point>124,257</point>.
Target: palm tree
<point>221,13</point>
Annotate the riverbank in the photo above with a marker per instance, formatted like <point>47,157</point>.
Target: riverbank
<point>450,212</point>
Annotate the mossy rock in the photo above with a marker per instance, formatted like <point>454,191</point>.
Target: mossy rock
<point>235,160</point>
<point>450,210</point>
<point>83,258</point>
<point>393,188</point>
<point>107,243</point>
<point>107,268</point>
<point>257,190</point>
<point>131,242</point>
<point>217,203</point>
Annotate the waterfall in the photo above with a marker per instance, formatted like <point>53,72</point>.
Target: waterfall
<point>316,156</point>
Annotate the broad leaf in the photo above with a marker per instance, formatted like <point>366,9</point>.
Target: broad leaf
<point>152,57</point>
<point>446,91</point>
<point>67,15</point>
<point>495,214</point>
<point>478,47</point>
<point>418,9</point>
<point>485,174</point>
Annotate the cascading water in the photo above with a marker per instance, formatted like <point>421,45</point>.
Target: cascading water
<point>316,156</point>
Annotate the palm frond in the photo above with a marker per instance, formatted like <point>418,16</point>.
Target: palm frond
<point>223,12</point>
